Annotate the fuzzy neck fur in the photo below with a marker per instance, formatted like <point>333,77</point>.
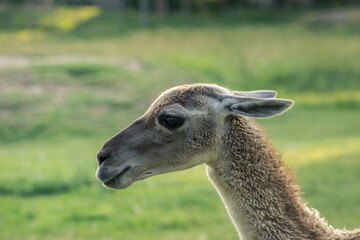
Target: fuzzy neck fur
<point>258,191</point>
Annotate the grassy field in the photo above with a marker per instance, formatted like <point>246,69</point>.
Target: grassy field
<point>69,88</point>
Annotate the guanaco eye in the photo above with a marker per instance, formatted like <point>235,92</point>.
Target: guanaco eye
<point>171,122</point>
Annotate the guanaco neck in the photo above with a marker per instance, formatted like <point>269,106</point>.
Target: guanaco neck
<point>258,191</point>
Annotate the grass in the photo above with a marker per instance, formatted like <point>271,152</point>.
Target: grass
<point>58,111</point>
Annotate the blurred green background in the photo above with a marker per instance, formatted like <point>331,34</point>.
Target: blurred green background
<point>74,73</point>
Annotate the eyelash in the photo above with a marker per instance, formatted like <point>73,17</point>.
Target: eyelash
<point>171,122</point>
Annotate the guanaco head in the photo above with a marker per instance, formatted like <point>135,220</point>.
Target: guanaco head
<point>182,128</point>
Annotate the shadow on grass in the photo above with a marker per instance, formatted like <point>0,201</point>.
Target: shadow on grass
<point>87,218</point>
<point>24,188</point>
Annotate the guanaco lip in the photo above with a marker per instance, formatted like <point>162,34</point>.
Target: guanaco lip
<point>115,178</point>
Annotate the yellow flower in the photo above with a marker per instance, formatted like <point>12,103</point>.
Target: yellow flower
<point>67,19</point>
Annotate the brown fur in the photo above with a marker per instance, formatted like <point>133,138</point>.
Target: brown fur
<point>263,188</point>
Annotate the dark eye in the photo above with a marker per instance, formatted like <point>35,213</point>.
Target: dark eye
<point>171,122</point>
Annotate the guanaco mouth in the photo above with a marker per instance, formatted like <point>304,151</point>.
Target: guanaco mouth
<point>115,178</point>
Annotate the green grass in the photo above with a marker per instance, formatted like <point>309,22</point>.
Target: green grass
<point>55,115</point>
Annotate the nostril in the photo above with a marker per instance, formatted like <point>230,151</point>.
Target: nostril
<point>102,156</point>
<point>102,159</point>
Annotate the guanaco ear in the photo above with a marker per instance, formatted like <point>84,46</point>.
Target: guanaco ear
<point>258,94</point>
<point>256,107</point>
